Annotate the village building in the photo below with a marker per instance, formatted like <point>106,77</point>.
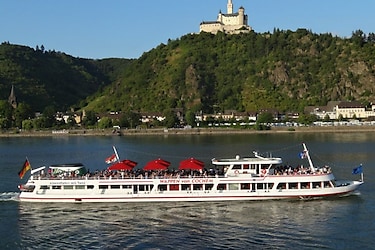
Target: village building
<point>345,109</point>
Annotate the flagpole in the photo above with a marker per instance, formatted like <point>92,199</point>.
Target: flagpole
<point>114,149</point>
<point>27,159</point>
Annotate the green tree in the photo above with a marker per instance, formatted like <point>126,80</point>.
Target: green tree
<point>171,119</point>
<point>130,119</point>
<point>90,119</point>
<point>265,117</point>
<point>6,113</point>
<point>27,124</point>
<point>104,122</point>
<point>190,118</point>
<point>21,113</point>
<point>49,115</point>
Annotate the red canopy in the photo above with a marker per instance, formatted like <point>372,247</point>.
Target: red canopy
<point>191,163</point>
<point>123,165</point>
<point>158,164</point>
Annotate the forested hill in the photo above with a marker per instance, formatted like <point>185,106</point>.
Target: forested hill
<point>48,78</point>
<point>284,70</point>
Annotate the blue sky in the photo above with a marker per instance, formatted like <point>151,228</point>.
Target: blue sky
<point>126,29</point>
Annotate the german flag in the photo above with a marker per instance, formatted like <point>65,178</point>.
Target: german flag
<point>26,167</point>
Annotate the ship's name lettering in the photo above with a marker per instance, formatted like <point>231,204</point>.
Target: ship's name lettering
<point>189,181</point>
<point>67,183</point>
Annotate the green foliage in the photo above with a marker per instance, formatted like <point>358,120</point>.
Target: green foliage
<point>190,118</point>
<point>42,78</point>
<point>265,117</point>
<point>130,119</point>
<point>21,113</point>
<point>27,124</point>
<point>90,120</point>
<point>104,122</point>
<point>283,70</point>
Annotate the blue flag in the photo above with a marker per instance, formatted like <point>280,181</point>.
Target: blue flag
<point>357,170</point>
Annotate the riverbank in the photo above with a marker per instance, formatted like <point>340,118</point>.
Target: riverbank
<point>193,131</point>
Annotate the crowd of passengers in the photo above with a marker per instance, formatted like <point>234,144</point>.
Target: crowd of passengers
<point>142,174</point>
<point>289,170</point>
<point>172,173</point>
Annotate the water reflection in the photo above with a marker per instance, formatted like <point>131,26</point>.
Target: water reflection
<point>169,225</point>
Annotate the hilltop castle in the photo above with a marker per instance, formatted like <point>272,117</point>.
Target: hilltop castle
<point>231,23</point>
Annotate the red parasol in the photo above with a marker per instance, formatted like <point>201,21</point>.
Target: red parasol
<point>123,165</point>
<point>192,164</point>
<point>158,164</point>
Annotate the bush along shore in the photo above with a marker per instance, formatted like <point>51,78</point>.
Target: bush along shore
<point>192,131</point>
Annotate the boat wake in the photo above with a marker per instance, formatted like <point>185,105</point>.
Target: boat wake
<point>9,196</point>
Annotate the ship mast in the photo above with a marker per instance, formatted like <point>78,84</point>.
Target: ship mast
<point>308,158</point>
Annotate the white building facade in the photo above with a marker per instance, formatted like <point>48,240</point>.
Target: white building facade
<point>232,23</point>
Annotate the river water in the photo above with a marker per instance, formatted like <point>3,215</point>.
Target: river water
<point>339,223</point>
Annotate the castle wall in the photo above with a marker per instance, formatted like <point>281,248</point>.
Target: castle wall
<point>229,23</point>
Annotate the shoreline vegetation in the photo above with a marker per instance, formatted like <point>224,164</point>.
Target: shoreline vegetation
<point>192,131</point>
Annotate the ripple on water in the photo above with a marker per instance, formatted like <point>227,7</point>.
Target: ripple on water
<point>198,225</point>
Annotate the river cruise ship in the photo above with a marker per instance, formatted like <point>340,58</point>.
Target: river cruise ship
<point>230,179</point>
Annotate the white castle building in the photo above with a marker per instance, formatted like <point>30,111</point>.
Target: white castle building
<point>232,23</point>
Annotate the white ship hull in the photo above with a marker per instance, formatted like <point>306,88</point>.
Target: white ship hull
<point>114,190</point>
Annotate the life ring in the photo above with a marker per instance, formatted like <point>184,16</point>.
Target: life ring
<point>236,172</point>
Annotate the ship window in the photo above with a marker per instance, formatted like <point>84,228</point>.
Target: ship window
<point>327,184</point>
<point>80,187</point>
<point>316,184</point>
<point>56,187</point>
<point>281,185</point>
<point>162,187</point>
<point>270,185</point>
<point>68,187</point>
<point>115,186</point>
<point>174,187</point>
<point>245,186</point>
<point>185,187</point>
<point>126,186</point>
<point>253,187</point>
<point>246,166</point>
<point>236,166</point>
<point>208,186</point>
<point>222,187</point>
<point>253,166</point>
<point>44,187</point>
<point>260,186</point>
<point>103,186</point>
<point>141,188</point>
<point>233,186</point>
<point>305,185</point>
<point>293,185</point>
<point>90,186</point>
<point>197,186</point>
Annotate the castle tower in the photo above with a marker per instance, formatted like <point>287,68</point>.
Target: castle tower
<point>230,7</point>
<point>242,18</point>
<point>12,98</point>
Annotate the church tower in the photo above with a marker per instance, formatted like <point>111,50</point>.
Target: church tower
<point>12,98</point>
<point>230,7</point>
